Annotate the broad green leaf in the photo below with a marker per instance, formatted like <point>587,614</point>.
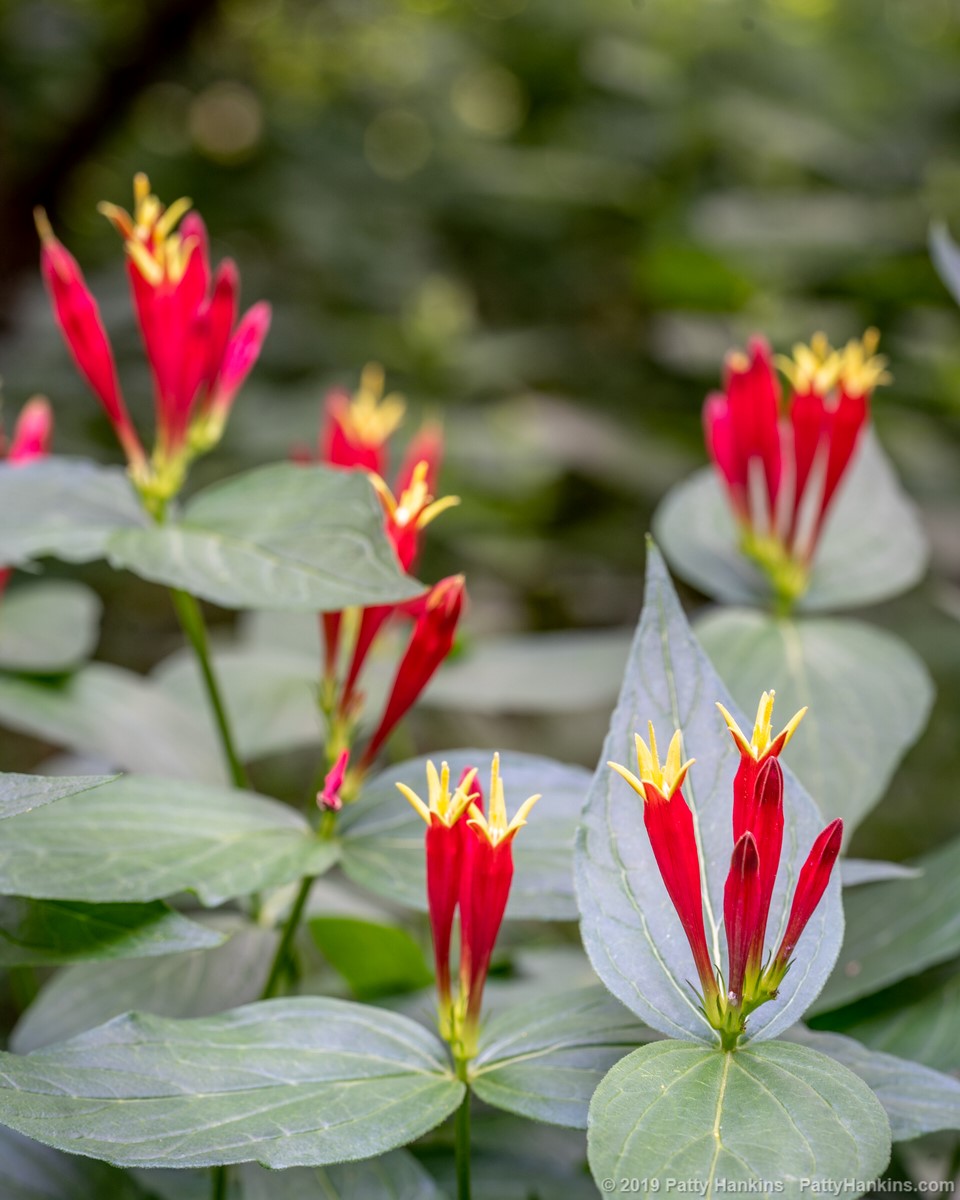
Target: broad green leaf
<point>394,1176</point>
<point>47,932</point>
<point>534,672</point>
<point>914,1019</point>
<point>30,1171</point>
<point>375,959</point>
<point>271,696</point>
<point>629,926</point>
<point>66,508</point>
<point>383,837</point>
<point>946,258</point>
<point>281,536</point>
<point>544,1059</point>
<point>143,839</point>
<point>21,793</point>
<point>869,697</point>
<point>48,626</point>
<point>873,546</point>
<point>896,929</point>
<point>775,1112</point>
<point>117,715</point>
<point>195,984</point>
<point>916,1099</point>
<point>285,1083</point>
<point>857,871</point>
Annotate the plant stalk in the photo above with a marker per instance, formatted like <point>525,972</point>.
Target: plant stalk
<point>218,1183</point>
<point>279,963</point>
<point>191,620</point>
<point>462,1148</point>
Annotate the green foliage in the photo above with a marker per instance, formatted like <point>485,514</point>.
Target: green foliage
<point>48,627</point>
<point>21,793</point>
<point>376,960</point>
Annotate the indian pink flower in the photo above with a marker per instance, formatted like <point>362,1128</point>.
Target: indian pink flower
<point>199,353</point>
<point>748,892</point>
<point>782,461</point>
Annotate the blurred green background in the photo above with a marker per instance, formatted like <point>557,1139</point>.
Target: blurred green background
<point>548,219</point>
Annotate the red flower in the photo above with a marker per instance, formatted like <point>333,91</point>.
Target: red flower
<point>356,429</point>
<point>199,355</point>
<point>782,464</point>
<point>430,643</point>
<point>31,440</point>
<point>812,883</point>
<point>329,798</point>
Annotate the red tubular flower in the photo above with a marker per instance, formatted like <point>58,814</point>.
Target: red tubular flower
<point>197,358</point>
<point>484,891</point>
<point>742,902</point>
<point>356,429</point>
<point>781,465</point>
<point>444,814</point>
<point>329,798</point>
<point>669,825</point>
<point>429,645</point>
<point>812,883</point>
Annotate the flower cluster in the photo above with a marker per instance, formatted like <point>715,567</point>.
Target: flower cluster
<point>199,354</point>
<point>469,857</point>
<point>751,979</point>
<point>31,440</point>
<point>782,462</point>
<point>355,435</point>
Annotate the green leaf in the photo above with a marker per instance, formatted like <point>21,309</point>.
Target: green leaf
<point>375,960</point>
<point>117,715</point>
<point>946,258</point>
<point>857,871</point>
<point>143,839</point>
<point>49,626</point>
<point>394,1176</point>
<point>194,984</point>
<point>916,1099</point>
<point>285,1083</point>
<point>869,697</point>
<point>29,1171</point>
<point>629,926</point>
<point>774,1112</point>
<point>533,672</point>
<point>64,507</point>
<point>45,932</point>
<point>896,929</point>
<point>21,793</point>
<point>282,536</point>
<point>873,546</point>
<point>544,1059</point>
<point>382,837</point>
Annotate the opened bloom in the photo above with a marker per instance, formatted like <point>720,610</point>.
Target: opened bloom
<point>751,979</point>
<point>782,460</point>
<point>470,866</point>
<point>199,353</point>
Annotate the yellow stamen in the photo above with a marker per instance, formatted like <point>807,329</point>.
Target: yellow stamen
<point>149,234</point>
<point>494,826</point>
<point>762,740</point>
<point>861,368</point>
<point>441,803</point>
<point>666,778</point>
<point>814,368</point>
<point>371,417</point>
<point>416,506</point>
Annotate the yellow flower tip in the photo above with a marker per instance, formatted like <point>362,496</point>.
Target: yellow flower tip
<point>762,744</point>
<point>861,368</point>
<point>743,744</point>
<point>737,362</point>
<point>440,803</point>
<point>42,222</point>
<point>416,506</point>
<point>494,825</point>
<point>629,776</point>
<point>813,368</point>
<point>370,417</point>
<point>415,801</point>
<point>668,777</point>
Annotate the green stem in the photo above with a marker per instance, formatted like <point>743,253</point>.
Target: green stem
<point>218,1183</point>
<point>278,966</point>
<point>191,619</point>
<point>462,1148</point>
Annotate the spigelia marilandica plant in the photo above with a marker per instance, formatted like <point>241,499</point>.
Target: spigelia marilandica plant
<point>729,997</point>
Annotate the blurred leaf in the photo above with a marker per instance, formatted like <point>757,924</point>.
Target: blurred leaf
<point>66,508</point>
<point>29,1171</point>
<point>143,839</point>
<point>916,1099</point>
<point>52,931</point>
<point>896,929</point>
<point>873,546</point>
<point>629,926</point>
<point>282,536</point>
<point>196,984</point>
<point>869,697</point>
<point>382,837</point>
<point>544,1059</point>
<point>107,711</point>
<point>337,1080</point>
<point>857,871</point>
<point>20,793</point>
<point>394,1176</point>
<point>774,1111</point>
<point>536,672</point>
<point>47,627</point>
<point>375,960</point>
<point>946,258</point>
